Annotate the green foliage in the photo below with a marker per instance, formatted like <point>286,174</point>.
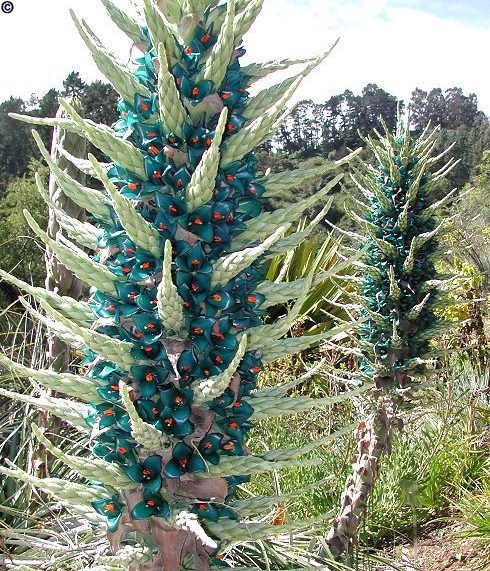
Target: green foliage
<point>474,507</point>
<point>99,101</point>
<point>334,126</point>
<point>16,146</point>
<point>20,253</point>
<point>318,253</point>
<point>437,457</point>
<point>450,109</point>
<point>470,142</point>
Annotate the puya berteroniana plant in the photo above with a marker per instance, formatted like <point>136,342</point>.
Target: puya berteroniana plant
<point>400,220</point>
<point>173,332</point>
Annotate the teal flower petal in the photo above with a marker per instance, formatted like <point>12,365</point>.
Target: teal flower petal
<point>142,511</point>
<point>135,472</point>
<point>153,486</point>
<point>210,443</point>
<point>196,464</point>
<point>173,469</point>
<point>206,511</point>
<point>113,522</point>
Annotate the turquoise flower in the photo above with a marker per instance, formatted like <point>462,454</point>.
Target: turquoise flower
<point>117,450</point>
<point>112,509</point>
<point>184,460</point>
<point>176,411</point>
<point>110,414</point>
<point>153,505</point>
<point>209,447</point>
<point>147,473</point>
<point>150,379</point>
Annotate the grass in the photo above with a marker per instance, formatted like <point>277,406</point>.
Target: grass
<point>439,452</point>
<point>439,464</point>
<point>473,507</point>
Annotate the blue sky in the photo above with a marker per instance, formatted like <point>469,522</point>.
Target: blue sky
<point>475,12</point>
<point>398,44</point>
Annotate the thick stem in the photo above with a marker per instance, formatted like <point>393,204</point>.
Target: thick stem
<point>374,438</point>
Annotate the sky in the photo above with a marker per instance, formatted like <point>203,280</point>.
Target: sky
<point>397,44</point>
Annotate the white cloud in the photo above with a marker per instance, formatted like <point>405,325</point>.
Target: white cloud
<point>397,48</point>
<point>40,44</point>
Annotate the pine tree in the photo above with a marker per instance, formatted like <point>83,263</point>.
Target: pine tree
<point>173,331</point>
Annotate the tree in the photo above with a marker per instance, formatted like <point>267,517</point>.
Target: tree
<point>377,103</point>
<point>46,107</point>
<point>428,108</point>
<point>20,251</point>
<point>449,110</point>
<point>73,85</point>
<point>99,101</point>
<point>469,144</point>
<point>462,110</point>
<point>16,148</point>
